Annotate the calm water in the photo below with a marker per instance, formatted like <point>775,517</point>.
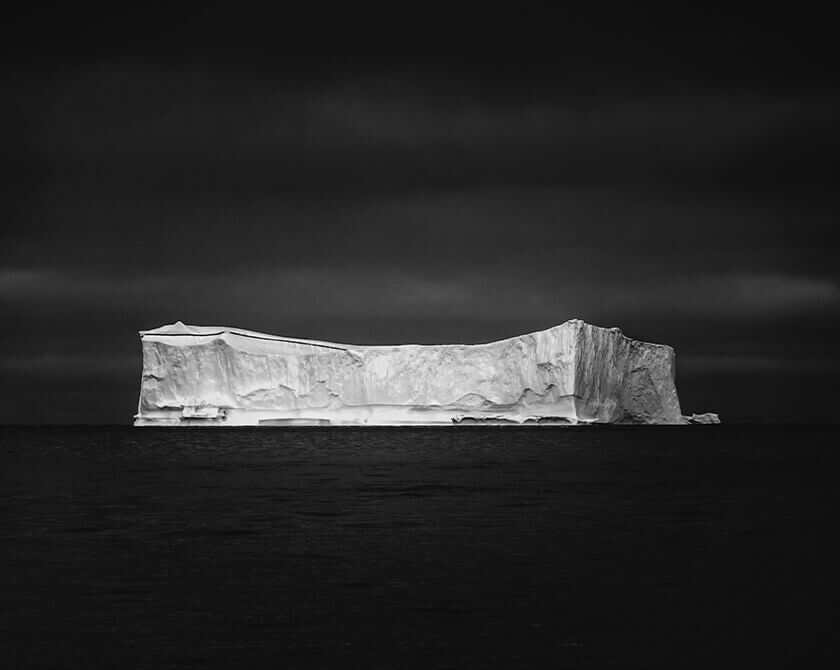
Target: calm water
<point>418,548</point>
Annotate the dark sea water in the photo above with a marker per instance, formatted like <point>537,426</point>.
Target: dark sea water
<point>707,546</point>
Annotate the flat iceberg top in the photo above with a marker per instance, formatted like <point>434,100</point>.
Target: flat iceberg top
<point>181,330</point>
<point>187,333</point>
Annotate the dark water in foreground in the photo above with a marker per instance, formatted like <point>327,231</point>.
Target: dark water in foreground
<point>418,548</point>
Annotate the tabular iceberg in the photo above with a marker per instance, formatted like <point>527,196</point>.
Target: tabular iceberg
<point>569,374</point>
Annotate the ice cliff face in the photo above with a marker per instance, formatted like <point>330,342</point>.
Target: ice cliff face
<point>571,373</point>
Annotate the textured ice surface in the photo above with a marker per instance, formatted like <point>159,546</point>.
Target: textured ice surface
<point>705,418</point>
<point>571,373</point>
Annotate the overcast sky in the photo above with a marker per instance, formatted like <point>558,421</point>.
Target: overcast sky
<point>371,174</point>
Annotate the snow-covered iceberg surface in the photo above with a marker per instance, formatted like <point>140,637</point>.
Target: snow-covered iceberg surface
<point>572,373</point>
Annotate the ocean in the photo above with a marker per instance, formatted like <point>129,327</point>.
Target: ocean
<point>467,547</point>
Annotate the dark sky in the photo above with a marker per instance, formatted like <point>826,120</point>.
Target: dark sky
<point>378,174</point>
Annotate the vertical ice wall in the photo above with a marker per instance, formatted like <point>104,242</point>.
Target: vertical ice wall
<point>574,372</point>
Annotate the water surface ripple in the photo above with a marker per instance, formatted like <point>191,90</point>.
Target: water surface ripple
<point>418,548</point>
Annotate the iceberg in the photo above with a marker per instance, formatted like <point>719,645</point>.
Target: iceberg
<point>573,373</point>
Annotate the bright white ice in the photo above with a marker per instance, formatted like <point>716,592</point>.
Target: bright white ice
<point>571,373</point>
